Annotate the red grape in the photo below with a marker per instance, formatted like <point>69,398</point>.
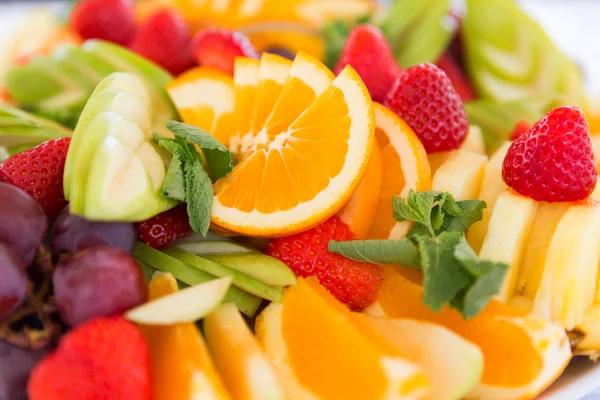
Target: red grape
<point>23,222</point>
<point>72,234</point>
<point>97,282</point>
<point>13,282</point>
<point>15,366</point>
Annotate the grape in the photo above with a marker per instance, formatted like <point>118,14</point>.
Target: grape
<point>13,282</point>
<point>72,234</point>
<point>15,366</point>
<point>282,52</point>
<point>23,222</point>
<point>97,282</point>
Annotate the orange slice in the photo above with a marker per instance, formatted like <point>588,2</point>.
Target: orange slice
<point>334,359</point>
<point>404,167</point>
<point>523,354</point>
<point>182,367</point>
<point>205,98</point>
<point>307,159</point>
<point>359,212</point>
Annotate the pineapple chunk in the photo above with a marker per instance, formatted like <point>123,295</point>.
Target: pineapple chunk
<point>491,187</point>
<point>474,141</point>
<point>544,226</point>
<point>522,302</point>
<point>568,284</point>
<point>461,175</point>
<point>437,159</point>
<point>509,231</point>
<point>590,326</point>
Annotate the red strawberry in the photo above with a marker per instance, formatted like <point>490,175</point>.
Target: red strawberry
<point>218,48</point>
<point>354,283</point>
<point>369,53</point>
<point>112,20</point>
<point>165,228</point>
<point>554,160</point>
<point>165,38</point>
<point>460,82</point>
<point>520,128</point>
<point>424,97</point>
<point>39,172</point>
<point>105,358</point>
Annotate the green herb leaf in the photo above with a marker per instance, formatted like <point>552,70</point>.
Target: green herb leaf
<point>399,252</point>
<point>174,184</point>
<point>199,196</point>
<point>219,159</point>
<point>416,208</point>
<point>443,275</point>
<point>469,212</point>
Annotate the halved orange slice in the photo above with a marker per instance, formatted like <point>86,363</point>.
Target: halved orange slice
<point>306,160</point>
<point>404,167</point>
<point>523,353</point>
<point>335,358</point>
<point>205,98</point>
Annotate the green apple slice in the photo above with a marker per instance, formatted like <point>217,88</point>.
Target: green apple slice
<point>212,247</point>
<point>155,77</point>
<point>19,129</point>
<point>89,65</point>
<point>262,267</point>
<point>187,305</point>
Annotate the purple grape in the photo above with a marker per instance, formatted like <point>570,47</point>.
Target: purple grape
<point>13,282</point>
<point>23,222</point>
<point>15,366</point>
<point>72,234</point>
<point>97,282</point>
<point>282,52</point>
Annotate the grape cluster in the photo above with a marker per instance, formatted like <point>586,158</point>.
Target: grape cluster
<point>92,275</point>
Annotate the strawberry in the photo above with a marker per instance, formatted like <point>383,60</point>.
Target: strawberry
<point>554,160</point>
<point>352,282</point>
<point>424,97</point>
<point>112,20</point>
<point>165,228</point>
<point>165,38</point>
<point>369,53</point>
<point>520,128</point>
<point>218,48</point>
<point>461,84</point>
<point>105,358</point>
<point>39,172</point>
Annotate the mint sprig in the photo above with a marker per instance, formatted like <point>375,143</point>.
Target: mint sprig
<point>436,245</point>
<point>186,179</point>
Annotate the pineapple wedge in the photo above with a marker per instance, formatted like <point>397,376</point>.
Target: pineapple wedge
<point>474,141</point>
<point>491,187</point>
<point>461,175</point>
<point>590,326</point>
<point>544,226</point>
<point>568,285</point>
<point>437,159</point>
<point>509,230</point>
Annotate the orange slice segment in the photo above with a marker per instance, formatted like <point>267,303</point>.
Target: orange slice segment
<point>523,354</point>
<point>246,82</point>
<point>360,210</point>
<point>205,98</point>
<point>334,359</point>
<point>182,367</point>
<point>404,167</point>
<point>304,168</point>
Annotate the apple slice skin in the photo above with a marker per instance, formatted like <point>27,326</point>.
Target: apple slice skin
<point>245,302</point>
<point>260,266</point>
<point>215,247</point>
<point>188,305</point>
<point>19,129</point>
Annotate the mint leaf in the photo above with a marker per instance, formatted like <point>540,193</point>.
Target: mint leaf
<point>174,184</point>
<point>219,159</point>
<point>399,252</point>
<point>469,212</point>
<point>199,196</point>
<point>443,275</point>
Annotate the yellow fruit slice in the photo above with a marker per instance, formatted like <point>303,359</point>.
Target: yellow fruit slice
<point>523,354</point>
<point>460,174</point>
<point>359,212</point>
<point>404,167</point>
<point>242,363</point>
<point>306,162</point>
<point>205,98</point>
<point>334,359</point>
<point>182,367</point>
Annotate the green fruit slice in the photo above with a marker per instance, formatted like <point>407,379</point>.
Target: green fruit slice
<point>212,247</point>
<point>91,66</point>
<point>19,129</point>
<point>262,267</point>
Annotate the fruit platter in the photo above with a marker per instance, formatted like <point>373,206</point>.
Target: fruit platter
<point>299,199</point>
